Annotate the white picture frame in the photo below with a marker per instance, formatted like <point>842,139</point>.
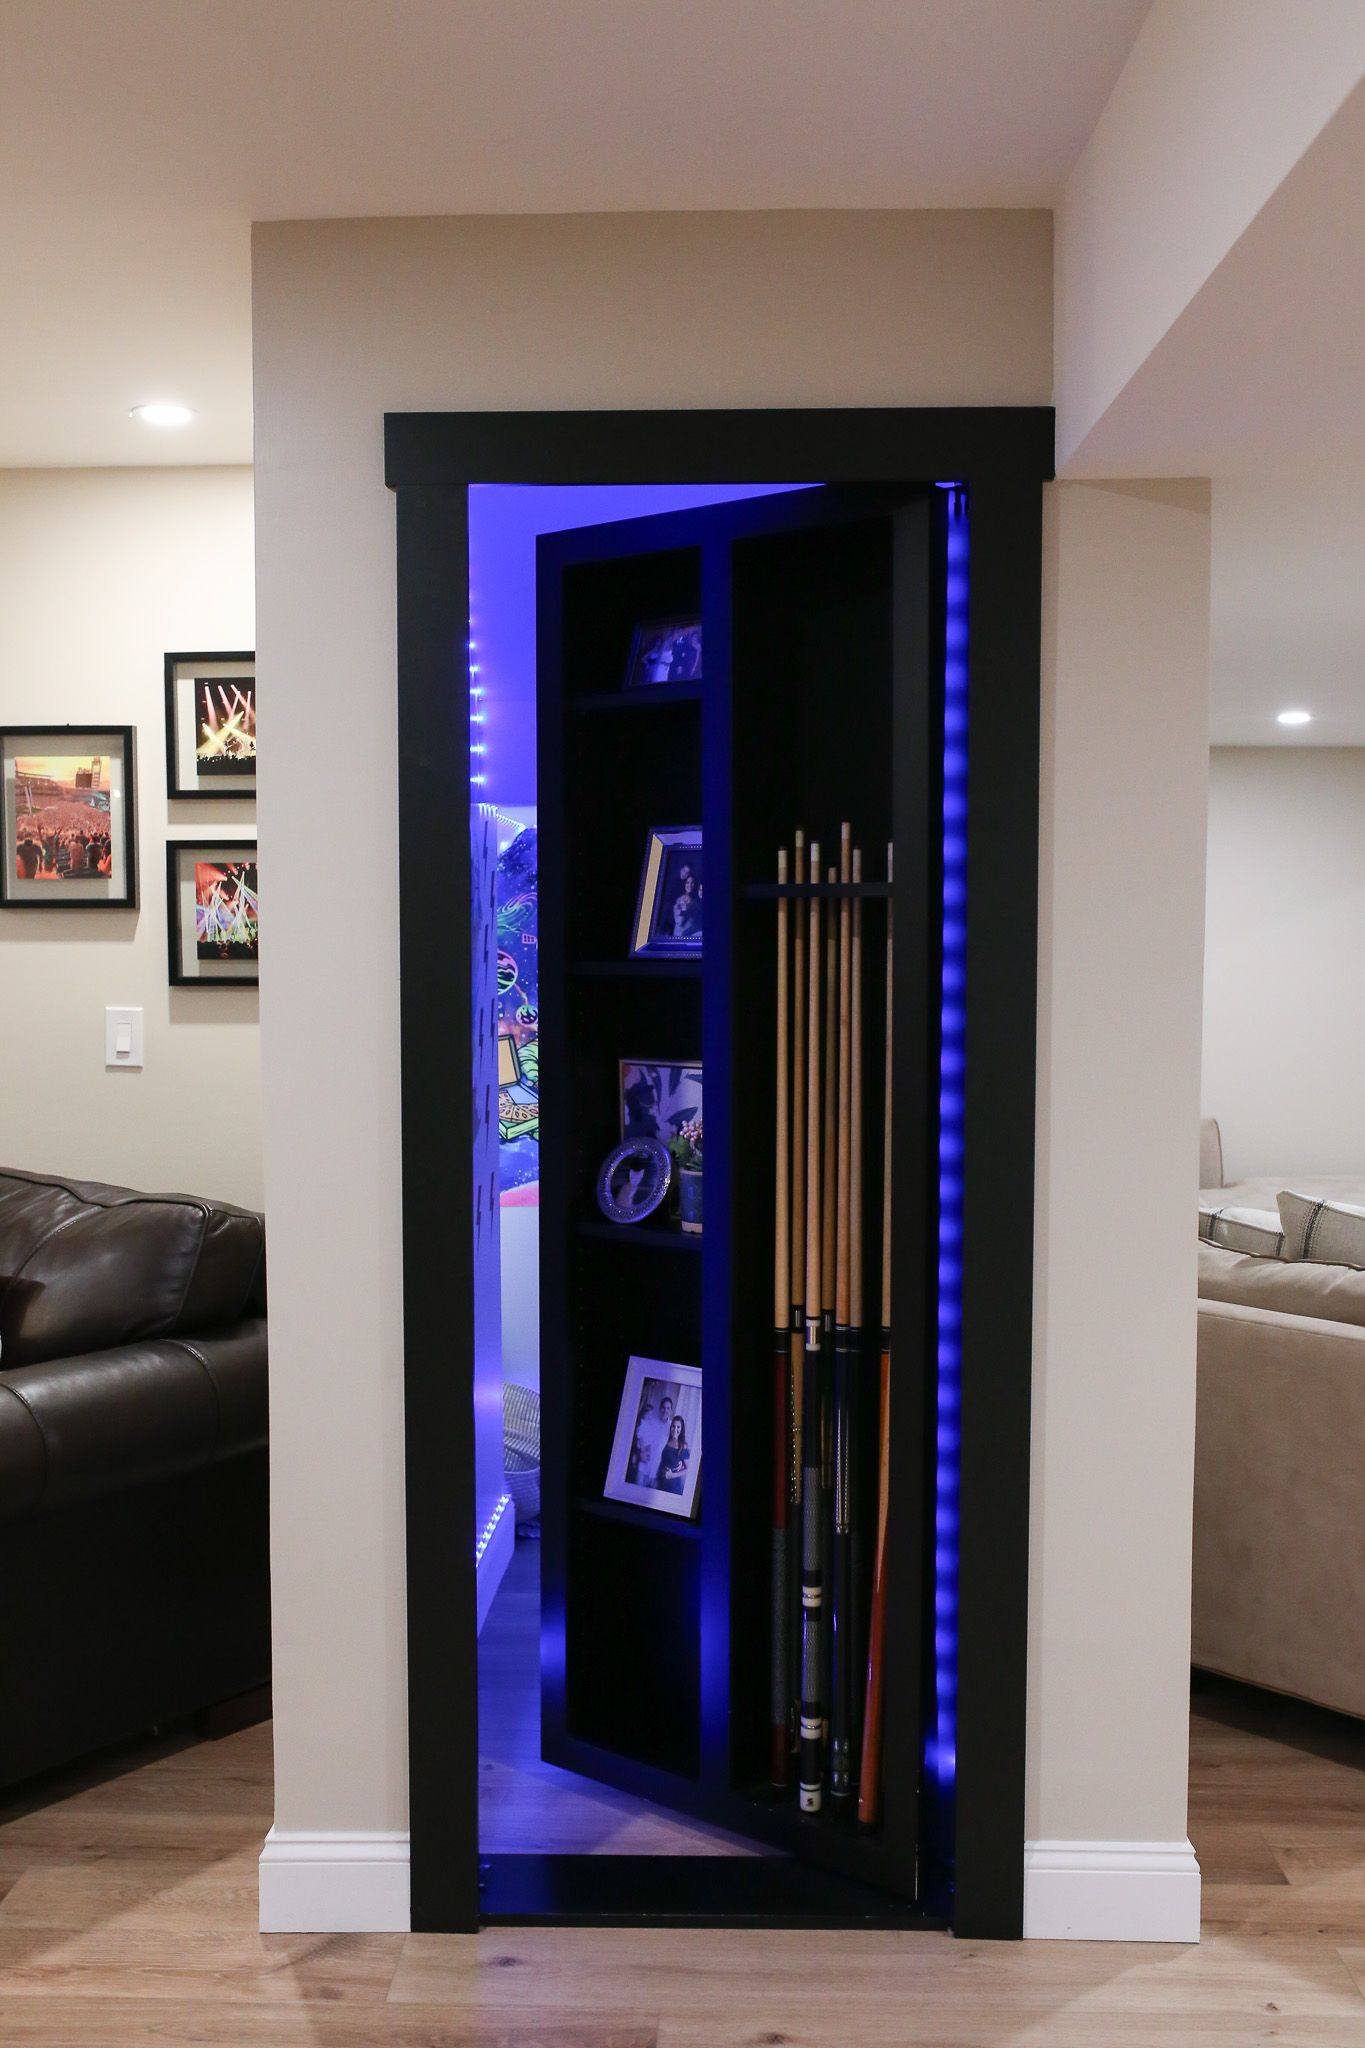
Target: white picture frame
<point>644,1471</point>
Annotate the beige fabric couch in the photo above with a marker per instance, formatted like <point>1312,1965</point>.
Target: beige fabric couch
<point>1279,1489</point>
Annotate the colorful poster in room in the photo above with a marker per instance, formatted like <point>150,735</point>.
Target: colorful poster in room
<point>518,1014</point>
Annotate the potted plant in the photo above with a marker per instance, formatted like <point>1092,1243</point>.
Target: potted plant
<point>686,1150</point>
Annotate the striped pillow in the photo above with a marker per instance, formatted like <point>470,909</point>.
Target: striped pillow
<point>1256,1232</point>
<point>1327,1233</point>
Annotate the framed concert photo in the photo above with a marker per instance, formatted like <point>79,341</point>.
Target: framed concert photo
<point>668,913</point>
<point>210,726</point>
<point>664,651</point>
<point>69,818</point>
<point>213,913</point>
<point>656,1453</point>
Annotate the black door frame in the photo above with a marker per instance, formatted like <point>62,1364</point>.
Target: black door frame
<point>1004,455</point>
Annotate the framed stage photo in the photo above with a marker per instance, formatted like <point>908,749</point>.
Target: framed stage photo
<point>665,651</point>
<point>656,1455</point>
<point>668,913</point>
<point>69,818</point>
<point>210,726</point>
<point>658,1097</point>
<point>213,912</point>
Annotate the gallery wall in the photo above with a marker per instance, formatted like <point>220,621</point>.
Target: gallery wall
<point>353,318</point>
<point>101,573</point>
<point>1284,978</point>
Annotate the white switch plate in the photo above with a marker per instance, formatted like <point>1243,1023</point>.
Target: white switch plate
<point>122,1038</point>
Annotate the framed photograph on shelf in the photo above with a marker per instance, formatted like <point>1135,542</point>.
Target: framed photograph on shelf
<point>210,726</point>
<point>656,1454</point>
<point>658,1097</point>
<point>668,913</point>
<point>213,914</point>
<point>69,817</point>
<point>664,651</point>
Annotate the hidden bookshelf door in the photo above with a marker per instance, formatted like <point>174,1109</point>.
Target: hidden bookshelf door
<point>821,612</point>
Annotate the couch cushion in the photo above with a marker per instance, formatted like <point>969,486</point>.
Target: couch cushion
<point>84,1267</point>
<point>1327,1233</point>
<point>1254,1231</point>
<point>1334,1294</point>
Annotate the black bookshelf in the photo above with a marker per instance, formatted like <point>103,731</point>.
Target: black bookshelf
<point>798,594</point>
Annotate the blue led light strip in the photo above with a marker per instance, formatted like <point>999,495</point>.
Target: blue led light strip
<point>941,1743</point>
<point>478,717</point>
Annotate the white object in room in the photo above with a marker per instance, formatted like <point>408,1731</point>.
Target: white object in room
<point>1111,1891</point>
<point>122,1037</point>
<point>328,1883</point>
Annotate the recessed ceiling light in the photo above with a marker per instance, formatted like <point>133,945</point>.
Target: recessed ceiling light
<point>163,413</point>
<point>1295,718</point>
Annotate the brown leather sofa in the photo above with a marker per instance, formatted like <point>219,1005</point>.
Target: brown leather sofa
<point>133,1481</point>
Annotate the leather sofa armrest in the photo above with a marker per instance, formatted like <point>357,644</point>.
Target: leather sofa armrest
<point>74,1428</point>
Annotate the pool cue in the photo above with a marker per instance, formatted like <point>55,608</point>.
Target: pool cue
<point>857,1548</point>
<point>869,1787</point>
<point>797,1267</point>
<point>812,1763</point>
<point>780,1751</point>
<point>841,1584</point>
<point>831,1162</point>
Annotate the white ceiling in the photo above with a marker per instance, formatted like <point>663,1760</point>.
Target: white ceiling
<point>1287,611</point>
<point>139,138</point>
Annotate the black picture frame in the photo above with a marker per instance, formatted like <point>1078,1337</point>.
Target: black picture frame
<point>227,789</point>
<point>122,737</point>
<point>1004,455</point>
<point>180,977</point>
<point>664,842</point>
<point>651,629</point>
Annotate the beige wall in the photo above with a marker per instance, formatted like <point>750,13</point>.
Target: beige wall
<point>1214,106</point>
<point>101,573</point>
<point>354,318</point>
<point>1284,975</point>
<point>1125,691</point>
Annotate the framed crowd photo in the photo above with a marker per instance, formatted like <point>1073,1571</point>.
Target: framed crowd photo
<point>664,651</point>
<point>210,725</point>
<point>213,912</point>
<point>668,913</point>
<point>69,817</point>
<point>658,1097</point>
<point>656,1455</point>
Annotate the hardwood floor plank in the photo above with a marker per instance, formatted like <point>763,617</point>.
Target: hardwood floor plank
<point>110,1961</point>
<point>63,2022</point>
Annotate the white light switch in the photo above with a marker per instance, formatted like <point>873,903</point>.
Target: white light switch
<point>122,1038</point>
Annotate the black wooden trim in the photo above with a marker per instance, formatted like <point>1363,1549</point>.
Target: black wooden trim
<point>860,444</point>
<point>175,937</point>
<point>174,791</point>
<point>438,1262</point>
<point>686,1891</point>
<point>997,1292</point>
<point>431,459</point>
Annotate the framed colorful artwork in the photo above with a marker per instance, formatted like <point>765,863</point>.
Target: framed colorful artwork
<point>69,817</point>
<point>213,912</point>
<point>210,726</point>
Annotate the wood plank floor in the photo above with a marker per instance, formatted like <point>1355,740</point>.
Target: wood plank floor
<point>127,1920</point>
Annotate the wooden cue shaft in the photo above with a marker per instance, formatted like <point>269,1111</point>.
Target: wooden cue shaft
<point>830,1207</point>
<point>858,1547</point>
<point>841,1690</point>
<point>779,1754</point>
<point>812,1589</point>
<point>869,1787</point>
<point>797,1263</point>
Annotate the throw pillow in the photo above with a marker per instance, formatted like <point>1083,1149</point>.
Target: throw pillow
<point>1328,1233</point>
<point>1256,1232</point>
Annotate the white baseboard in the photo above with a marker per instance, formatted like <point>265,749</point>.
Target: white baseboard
<point>1111,1891</point>
<point>493,1554</point>
<point>334,1884</point>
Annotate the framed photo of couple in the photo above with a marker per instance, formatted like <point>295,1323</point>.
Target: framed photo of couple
<point>668,914</point>
<point>656,1454</point>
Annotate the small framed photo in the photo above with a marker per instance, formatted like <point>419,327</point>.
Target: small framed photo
<point>69,817</point>
<point>668,914</point>
<point>665,651</point>
<point>658,1097</point>
<point>634,1179</point>
<point>656,1455</point>
<point>210,725</point>
<point>213,912</point>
